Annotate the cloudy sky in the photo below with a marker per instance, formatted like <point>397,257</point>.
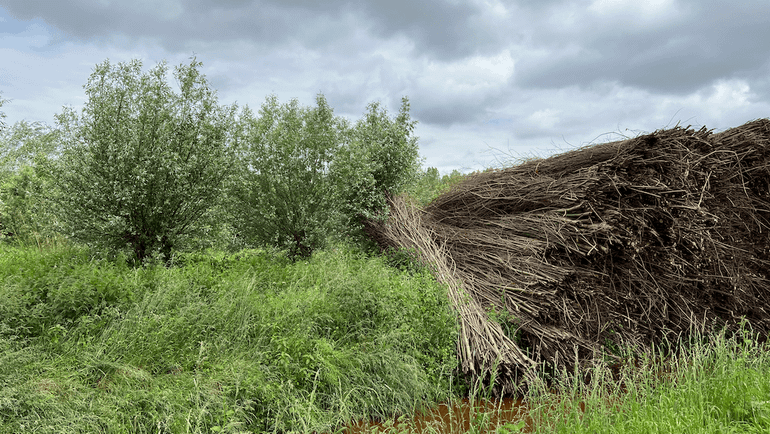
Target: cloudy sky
<point>488,80</point>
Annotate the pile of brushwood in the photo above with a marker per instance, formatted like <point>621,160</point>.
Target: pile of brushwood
<point>616,245</point>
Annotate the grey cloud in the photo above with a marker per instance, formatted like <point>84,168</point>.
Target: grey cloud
<point>676,58</point>
<point>80,18</point>
<point>448,109</point>
<point>263,23</point>
<point>437,27</point>
<point>444,112</point>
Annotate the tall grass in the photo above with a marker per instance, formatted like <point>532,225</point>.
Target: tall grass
<point>254,343</point>
<point>715,383</point>
<point>718,383</point>
<point>219,343</point>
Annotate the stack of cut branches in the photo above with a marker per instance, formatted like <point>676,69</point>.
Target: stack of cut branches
<point>556,262</point>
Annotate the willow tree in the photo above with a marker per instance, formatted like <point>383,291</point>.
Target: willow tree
<point>283,196</point>
<point>143,162</point>
<point>381,158</point>
<point>307,176</point>
<point>2,114</point>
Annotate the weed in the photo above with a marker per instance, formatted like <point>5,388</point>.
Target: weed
<point>216,343</point>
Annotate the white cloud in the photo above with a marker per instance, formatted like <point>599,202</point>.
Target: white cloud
<point>729,95</point>
<point>477,74</point>
<point>726,103</point>
<point>633,9</point>
<point>544,119</point>
<point>495,8</point>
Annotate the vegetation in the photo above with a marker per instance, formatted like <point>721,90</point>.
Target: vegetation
<point>26,216</point>
<point>217,343</point>
<point>715,384</point>
<point>170,265</point>
<point>115,318</point>
<point>2,113</point>
<point>308,177</point>
<point>382,159</point>
<point>283,195</point>
<point>252,342</point>
<point>142,164</point>
<point>430,184</point>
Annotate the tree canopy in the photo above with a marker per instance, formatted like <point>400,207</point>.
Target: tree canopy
<point>143,162</point>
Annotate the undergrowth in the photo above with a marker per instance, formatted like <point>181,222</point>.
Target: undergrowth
<point>714,383</point>
<point>216,343</point>
<point>251,342</point>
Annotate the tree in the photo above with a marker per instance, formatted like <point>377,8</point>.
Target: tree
<point>142,163</point>
<point>24,142</point>
<point>382,158</point>
<point>283,196</point>
<point>431,184</point>
<point>26,215</point>
<point>307,176</point>
<point>2,114</point>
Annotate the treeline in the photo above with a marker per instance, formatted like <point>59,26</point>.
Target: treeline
<point>147,169</point>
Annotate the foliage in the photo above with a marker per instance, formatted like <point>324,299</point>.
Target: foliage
<point>24,143</point>
<point>283,196</point>
<point>382,158</point>
<point>246,342</point>
<point>2,113</point>
<point>308,177</point>
<point>142,164</point>
<point>50,288</point>
<point>26,214</point>
<point>430,184</point>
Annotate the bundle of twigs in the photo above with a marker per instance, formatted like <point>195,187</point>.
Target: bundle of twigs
<point>616,245</point>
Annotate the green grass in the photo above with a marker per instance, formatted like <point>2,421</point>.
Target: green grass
<point>715,384</point>
<point>254,343</point>
<point>219,343</point>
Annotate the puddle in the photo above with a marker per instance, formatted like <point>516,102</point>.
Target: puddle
<point>457,417</point>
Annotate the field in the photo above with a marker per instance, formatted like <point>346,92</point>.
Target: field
<point>242,343</point>
<point>170,265</point>
<point>252,342</point>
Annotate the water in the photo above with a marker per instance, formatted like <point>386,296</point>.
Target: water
<point>460,417</point>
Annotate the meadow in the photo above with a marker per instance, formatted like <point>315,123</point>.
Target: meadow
<point>170,265</point>
<point>253,342</point>
<point>249,342</point>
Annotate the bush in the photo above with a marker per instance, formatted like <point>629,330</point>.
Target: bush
<point>26,214</point>
<point>382,158</point>
<point>143,164</point>
<point>283,196</point>
<point>307,177</point>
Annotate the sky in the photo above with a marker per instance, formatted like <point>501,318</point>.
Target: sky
<point>490,82</point>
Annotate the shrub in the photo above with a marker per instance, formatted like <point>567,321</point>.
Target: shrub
<point>283,196</point>
<point>382,158</point>
<point>26,216</point>
<point>142,164</point>
<point>307,176</point>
